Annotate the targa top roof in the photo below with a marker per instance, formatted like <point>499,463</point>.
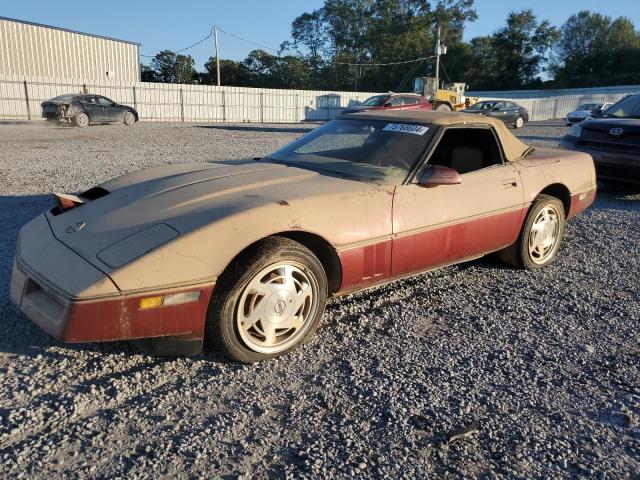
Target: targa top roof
<point>513,148</point>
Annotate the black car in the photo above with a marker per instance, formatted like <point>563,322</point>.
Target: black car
<point>82,110</point>
<point>612,139</point>
<point>509,112</point>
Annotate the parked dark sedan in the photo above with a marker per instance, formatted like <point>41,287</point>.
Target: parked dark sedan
<point>612,139</point>
<point>509,112</point>
<point>82,110</point>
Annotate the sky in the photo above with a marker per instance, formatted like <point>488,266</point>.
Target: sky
<point>170,24</point>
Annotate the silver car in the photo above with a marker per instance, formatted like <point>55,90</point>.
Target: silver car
<point>584,111</point>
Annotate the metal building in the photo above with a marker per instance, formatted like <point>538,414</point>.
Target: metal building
<point>34,50</point>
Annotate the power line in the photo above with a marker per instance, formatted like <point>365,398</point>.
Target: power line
<point>248,41</point>
<point>276,51</point>
<point>382,64</point>
<point>185,48</point>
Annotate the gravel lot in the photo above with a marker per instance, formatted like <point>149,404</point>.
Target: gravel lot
<point>541,368</point>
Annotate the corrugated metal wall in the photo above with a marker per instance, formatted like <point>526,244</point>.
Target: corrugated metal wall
<point>176,102</point>
<point>34,50</point>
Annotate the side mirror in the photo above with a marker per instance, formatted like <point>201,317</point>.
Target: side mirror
<point>388,104</point>
<point>434,175</point>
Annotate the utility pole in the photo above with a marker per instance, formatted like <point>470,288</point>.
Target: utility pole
<point>438,59</point>
<point>215,39</point>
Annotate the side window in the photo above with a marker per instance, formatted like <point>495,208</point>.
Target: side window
<point>104,101</point>
<point>410,100</point>
<point>466,150</point>
<point>395,101</point>
<point>91,100</point>
<point>500,106</point>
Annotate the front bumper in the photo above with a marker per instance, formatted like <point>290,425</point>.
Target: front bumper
<point>611,165</point>
<point>74,302</point>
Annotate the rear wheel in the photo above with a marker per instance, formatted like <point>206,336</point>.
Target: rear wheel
<point>268,301</point>
<point>540,237</point>
<point>129,118</point>
<point>443,107</point>
<point>81,120</point>
<point>519,123</point>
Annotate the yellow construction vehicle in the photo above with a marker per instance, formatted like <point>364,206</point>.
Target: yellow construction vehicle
<point>451,97</point>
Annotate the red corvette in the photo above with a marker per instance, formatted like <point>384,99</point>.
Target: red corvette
<point>392,101</point>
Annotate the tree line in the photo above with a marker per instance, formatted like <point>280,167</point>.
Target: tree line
<point>331,48</point>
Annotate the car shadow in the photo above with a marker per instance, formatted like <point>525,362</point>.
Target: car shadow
<point>252,128</point>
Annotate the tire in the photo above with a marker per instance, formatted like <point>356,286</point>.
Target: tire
<point>129,118</point>
<point>443,107</point>
<point>81,120</point>
<point>244,328</point>
<point>519,123</point>
<point>529,252</point>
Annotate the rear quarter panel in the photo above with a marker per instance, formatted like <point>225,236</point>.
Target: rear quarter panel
<point>551,166</point>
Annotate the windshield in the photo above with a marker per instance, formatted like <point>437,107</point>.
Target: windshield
<point>628,107</point>
<point>588,106</point>
<point>375,101</point>
<point>482,106</point>
<point>63,98</point>
<point>365,150</point>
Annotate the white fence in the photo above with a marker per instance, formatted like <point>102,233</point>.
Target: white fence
<point>550,104</point>
<point>20,99</point>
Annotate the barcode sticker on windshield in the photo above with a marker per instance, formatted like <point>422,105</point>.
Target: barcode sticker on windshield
<point>406,128</point>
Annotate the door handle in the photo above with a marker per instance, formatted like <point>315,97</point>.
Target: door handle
<point>509,182</point>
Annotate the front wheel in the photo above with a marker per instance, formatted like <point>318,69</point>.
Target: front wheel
<point>540,237</point>
<point>519,123</point>
<point>81,120</point>
<point>268,301</point>
<point>129,118</point>
<point>443,107</point>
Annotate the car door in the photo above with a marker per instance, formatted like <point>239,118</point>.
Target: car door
<point>111,112</point>
<point>498,111</point>
<point>92,108</point>
<point>449,223</point>
<point>394,103</point>
<point>513,112</point>
<point>410,102</point>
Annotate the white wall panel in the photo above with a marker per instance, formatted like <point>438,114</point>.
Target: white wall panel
<point>205,103</point>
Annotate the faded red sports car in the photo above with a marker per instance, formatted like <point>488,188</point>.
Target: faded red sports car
<point>392,101</point>
<point>247,255</point>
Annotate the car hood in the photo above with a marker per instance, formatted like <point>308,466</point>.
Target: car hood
<point>147,209</point>
<point>614,132</point>
<point>630,125</point>
<point>169,195</point>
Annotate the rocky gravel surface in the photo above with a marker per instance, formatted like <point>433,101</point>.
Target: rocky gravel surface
<point>471,371</point>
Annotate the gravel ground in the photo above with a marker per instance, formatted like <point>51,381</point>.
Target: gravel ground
<point>476,370</point>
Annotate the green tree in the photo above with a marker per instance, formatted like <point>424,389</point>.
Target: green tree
<point>521,48</point>
<point>172,68</point>
<point>231,73</point>
<point>593,50</point>
<point>183,69</point>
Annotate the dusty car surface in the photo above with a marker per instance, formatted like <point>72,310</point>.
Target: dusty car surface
<point>83,110</point>
<point>247,255</point>
<point>612,139</point>
<point>392,101</point>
